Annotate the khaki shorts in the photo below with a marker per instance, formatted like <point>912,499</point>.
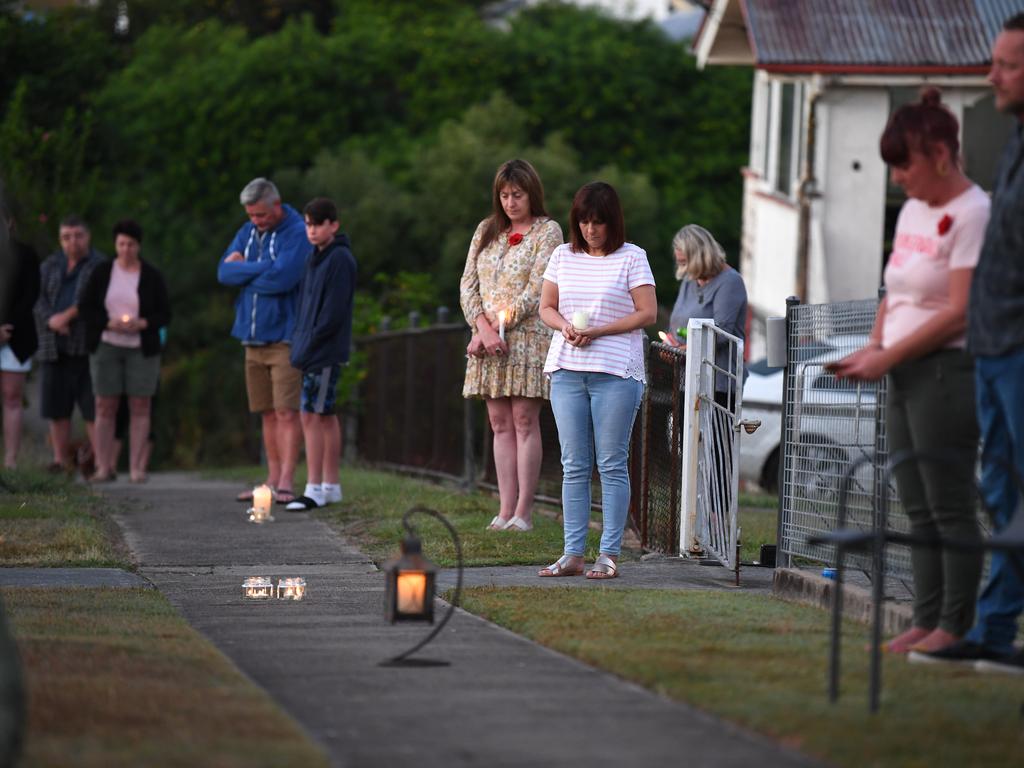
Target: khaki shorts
<point>270,381</point>
<point>123,371</point>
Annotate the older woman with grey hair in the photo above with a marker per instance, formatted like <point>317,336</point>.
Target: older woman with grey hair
<point>710,289</point>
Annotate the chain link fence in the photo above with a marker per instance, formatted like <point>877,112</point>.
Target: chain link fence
<point>412,417</point>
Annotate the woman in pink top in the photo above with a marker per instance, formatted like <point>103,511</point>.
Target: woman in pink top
<point>125,305</point>
<point>598,294</point>
<point>918,340</point>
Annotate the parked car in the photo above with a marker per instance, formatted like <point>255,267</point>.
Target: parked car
<point>832,421</point>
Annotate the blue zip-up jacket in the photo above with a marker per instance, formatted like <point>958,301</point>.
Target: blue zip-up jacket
<point>269,279</point>
<point>323,330</point>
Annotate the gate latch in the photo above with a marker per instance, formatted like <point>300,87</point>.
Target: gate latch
<point>750,425</point>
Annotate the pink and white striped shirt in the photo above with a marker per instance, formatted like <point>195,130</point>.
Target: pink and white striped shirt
<point>599,286</point>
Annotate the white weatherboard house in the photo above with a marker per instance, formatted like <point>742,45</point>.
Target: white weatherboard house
<point>818,210</point>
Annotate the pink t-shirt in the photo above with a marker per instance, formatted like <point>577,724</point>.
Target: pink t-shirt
<point>122,299</point>
<point>917,275</point>
<point>599,286</point>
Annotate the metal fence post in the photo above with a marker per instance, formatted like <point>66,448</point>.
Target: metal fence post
<point>691,434</point>
<point>783,558</point>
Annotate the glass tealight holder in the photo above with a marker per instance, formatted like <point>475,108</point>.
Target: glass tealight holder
<point>258,588</point>
<point>291,588</point>
<point>259,516</point>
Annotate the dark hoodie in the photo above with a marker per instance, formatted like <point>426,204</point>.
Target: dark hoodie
<point>323,323</point>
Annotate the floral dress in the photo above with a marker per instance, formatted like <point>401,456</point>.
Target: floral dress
<point>509,277</point>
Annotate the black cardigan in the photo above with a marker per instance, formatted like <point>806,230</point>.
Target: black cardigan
<point>22,294</point>
<point>154,306</point>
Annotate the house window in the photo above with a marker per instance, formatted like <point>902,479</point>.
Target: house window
<point>784,177</point>
<point>787,113</point>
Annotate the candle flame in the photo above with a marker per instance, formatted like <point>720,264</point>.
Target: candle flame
<point>663,336</point>
<point>502,316</point>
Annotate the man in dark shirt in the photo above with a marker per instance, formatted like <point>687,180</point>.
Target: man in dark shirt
<point>64,359</point>
<point>995,335</point>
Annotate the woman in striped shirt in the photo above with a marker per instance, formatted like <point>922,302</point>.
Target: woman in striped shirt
<point>598,294</point>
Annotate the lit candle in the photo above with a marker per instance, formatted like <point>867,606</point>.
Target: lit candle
<point>257,587</point>
<point>293,588</point>
<point>125,318</point>
<point>664,337</point>
<point>262,498</point>
<point>501,325</point>
<point>580,319</point>
<point>412,588</point>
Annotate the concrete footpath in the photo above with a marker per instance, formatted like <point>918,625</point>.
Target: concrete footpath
<point>504,701</point>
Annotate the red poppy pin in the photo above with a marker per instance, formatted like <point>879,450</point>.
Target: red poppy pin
<point>515,238</point>
<point>945,223</point>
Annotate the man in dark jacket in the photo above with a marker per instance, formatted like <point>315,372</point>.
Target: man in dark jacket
<point>64,359</point>
<point>320,344</point>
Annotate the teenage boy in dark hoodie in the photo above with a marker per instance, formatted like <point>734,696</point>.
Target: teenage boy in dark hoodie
<point>320,344</point>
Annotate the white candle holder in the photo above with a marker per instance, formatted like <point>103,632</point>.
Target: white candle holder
<point>257,588</point>
<point>291,588</point>
<point>580,320</point>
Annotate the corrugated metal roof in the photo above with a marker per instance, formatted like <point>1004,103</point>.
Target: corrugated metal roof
<point>942,34</point>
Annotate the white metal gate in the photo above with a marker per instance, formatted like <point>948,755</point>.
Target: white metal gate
<point>713,399</point>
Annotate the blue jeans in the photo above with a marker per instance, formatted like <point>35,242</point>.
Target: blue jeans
<point>594,411</point>
<point>1000,392</point>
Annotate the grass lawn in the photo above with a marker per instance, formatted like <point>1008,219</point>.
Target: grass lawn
<point>375,502</point>
<point>52,521</point>
<point>117,678</point>
<point>762,663</point>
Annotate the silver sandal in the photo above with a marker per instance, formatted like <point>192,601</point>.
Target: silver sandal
<point>561,567</point>
<point>605,566</point>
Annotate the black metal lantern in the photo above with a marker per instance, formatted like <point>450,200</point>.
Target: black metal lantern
<point>410,584</point>
<point>409,591</point>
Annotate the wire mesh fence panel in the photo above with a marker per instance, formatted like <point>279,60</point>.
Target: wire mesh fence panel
<point>412,411</point>
<point>656,513</point>
<point>829,423</point>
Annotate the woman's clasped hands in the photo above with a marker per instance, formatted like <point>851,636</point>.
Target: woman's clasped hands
<point>578,337</point>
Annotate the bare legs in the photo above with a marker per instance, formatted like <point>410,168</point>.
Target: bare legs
<point>515,423</point>
<point>138,437</point>
<point>13,386</point>
<point>281,441</point>
<point>323,447</point>
<point>103,448</point>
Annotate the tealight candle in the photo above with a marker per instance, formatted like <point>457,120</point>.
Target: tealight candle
<point>292,588</point>
<point>580,320</point>
<point>501,325</point>
<point>257,588</point>
<point>125,318</point>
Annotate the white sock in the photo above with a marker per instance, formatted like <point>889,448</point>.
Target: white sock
<point>331,492</point>
<point>315,493</point>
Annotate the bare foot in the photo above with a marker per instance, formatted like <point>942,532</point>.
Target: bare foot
<point>902,642</point>
<point>936,640</point>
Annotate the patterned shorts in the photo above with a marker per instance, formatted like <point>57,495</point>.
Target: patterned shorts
<point>318,390</point>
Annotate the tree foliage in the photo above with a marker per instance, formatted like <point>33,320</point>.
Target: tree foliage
<point>401,111</point>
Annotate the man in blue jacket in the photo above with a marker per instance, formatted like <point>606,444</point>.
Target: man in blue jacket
<point>265,260</point>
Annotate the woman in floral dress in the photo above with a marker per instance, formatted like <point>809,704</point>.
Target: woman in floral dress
<point>500,295</point>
